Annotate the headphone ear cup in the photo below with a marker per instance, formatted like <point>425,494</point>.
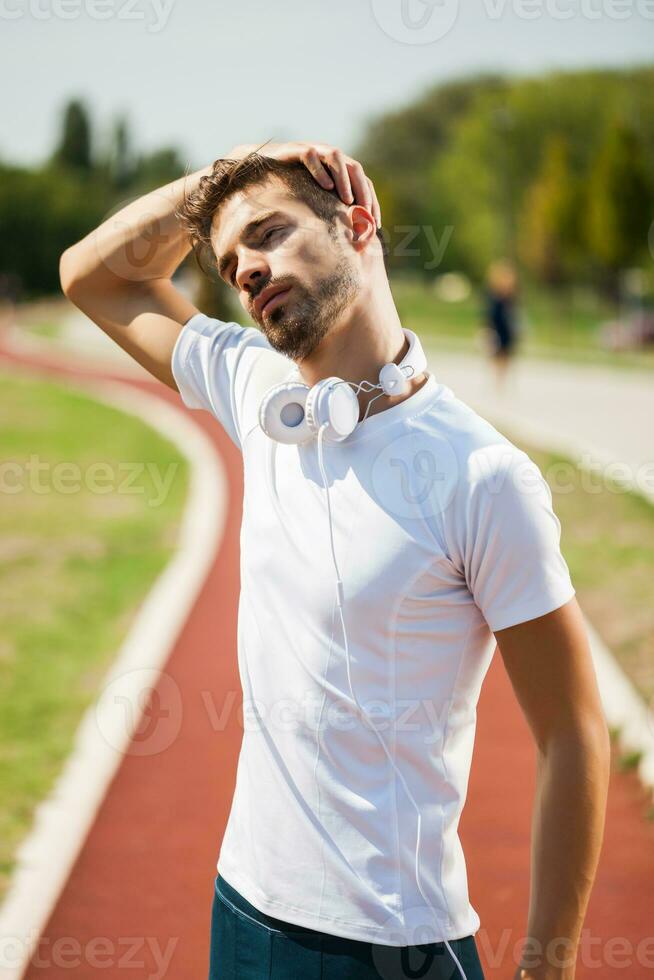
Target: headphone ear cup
<point>282,414</point>
<point>332,401</point>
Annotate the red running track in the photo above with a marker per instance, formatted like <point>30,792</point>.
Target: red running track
<point>140,892</point>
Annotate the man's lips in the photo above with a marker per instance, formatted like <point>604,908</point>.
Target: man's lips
<point>273,301</point>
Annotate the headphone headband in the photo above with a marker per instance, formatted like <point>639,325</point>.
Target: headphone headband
<point>292,412</point>
<point>393,378</point>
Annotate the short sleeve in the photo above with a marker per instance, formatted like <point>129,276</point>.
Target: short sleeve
<point>511,553</point>
<point>224,368</point>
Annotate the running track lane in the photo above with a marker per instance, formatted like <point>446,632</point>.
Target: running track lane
<point>144,877</point>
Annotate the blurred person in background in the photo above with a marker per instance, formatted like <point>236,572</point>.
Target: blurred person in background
<point>501,317</point>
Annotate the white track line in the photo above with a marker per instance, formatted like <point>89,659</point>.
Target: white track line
<point>624,708</point>
<point>62,821</point>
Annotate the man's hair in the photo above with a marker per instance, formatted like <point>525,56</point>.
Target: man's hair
<point>227,177</point>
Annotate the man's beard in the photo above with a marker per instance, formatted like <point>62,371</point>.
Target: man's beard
<point>298,331</point>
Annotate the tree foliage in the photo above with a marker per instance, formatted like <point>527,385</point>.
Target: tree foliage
<point>556,171</point>
<point>74,151</point>
<point>44,210</point>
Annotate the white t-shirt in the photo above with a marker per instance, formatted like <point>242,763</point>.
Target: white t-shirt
<point>443,531</point>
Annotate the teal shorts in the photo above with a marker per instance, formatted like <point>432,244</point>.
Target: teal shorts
<point>247,944</point>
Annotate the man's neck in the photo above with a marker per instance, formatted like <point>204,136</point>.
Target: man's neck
<point>357,348</point>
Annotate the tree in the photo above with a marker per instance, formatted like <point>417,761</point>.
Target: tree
<point>548,242</point>
<point>155,169</point>
<point>467,155</point>
<point>74,149</point>
<point>620,199</point>
<point>42,213</point>
<point>120,163</point>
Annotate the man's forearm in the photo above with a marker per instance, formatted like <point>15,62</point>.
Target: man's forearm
<point>567,831</point>
<point>141,242</point>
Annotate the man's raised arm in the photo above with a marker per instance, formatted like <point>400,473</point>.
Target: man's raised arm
<point>120,276</point>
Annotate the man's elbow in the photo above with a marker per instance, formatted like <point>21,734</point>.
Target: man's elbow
<point>598,738</point>
<point>586,735</point>
<point>70,273</point>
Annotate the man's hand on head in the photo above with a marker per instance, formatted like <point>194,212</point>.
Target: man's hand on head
<point>329,165</point>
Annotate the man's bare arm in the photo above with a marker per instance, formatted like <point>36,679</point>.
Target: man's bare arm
<point>550,666</point>
<point>120,274</point>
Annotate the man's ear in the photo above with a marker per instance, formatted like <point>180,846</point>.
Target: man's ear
<point>364,226</point>
<point>360,230</point>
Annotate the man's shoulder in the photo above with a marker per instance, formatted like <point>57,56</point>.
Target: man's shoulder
<point>248,340</point>
<point>466,430</point>
<point>482,454</point>
<point>227,368</point>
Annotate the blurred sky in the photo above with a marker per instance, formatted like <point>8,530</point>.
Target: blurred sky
<point>206,74</point>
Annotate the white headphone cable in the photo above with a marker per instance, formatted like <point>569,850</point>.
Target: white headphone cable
<point>339,601</point>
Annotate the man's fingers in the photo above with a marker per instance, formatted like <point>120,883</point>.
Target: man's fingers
<point>331,168</point>
<point>376,210</point>
<point>313,163</point>
<point>364,190</point>
<point>360,185</point>
<point>335,160</point>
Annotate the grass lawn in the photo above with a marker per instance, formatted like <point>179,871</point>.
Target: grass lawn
<point>607,539</point>
<point>85,529</point>
<point>555,328</point>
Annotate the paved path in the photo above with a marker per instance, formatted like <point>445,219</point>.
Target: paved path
<point>574,407</point>
<point>141,888</point>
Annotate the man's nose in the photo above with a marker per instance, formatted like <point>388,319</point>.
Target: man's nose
<point>251,268</point>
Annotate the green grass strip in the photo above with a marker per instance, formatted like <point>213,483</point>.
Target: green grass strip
<point>90,506</point>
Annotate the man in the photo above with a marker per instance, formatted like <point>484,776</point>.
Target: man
<point>445,535</point>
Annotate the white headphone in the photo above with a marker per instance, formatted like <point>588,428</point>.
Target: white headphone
<point>293,413</point>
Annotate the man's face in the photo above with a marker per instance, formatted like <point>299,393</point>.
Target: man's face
<point>293,277</point>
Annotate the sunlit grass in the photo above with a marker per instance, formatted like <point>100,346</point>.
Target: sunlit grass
<point>83,536</point>
<point>607,539</point>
